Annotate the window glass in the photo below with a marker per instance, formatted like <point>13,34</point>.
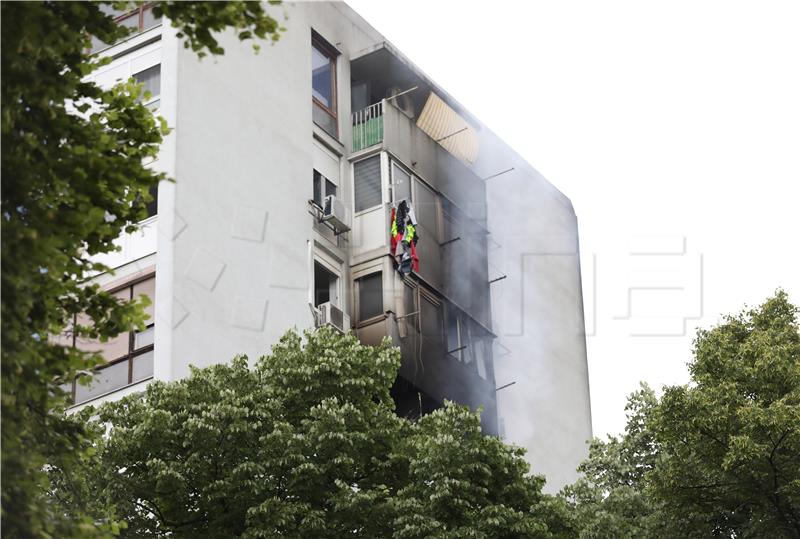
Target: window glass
<point>370,296</point>
<point>323,187</point>
<point>431,318</point>
<point>410,305</point>
<point>480,357</point>
<point>426,209</point>
<point>466,340</point>
<point>453,342</point>
<point>142,366</point>
<point>105,380</point>
<point>330,188</point>
<point>111,349</point>
<point>152,206</point>
<point>450,227</point>
<point>401,184</point>
<point>317,188</point>
<point>130,21</point>
<point>149,19</point>
<point>141,339</point>
<point>150,79</point>
<point>131,354</point>
<point>367,183</point>
<point>322,77</point>
<point>147,288</point>
<point>140,19</point>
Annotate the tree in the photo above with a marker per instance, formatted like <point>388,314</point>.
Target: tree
<point>306,444</point>
<point>609,500</point>
<point>729,459</point>
<point>717,457</point>
<point>72,182</point>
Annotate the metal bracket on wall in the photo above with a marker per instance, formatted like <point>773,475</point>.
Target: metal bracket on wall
<point>498,174</point>
<point>449,241</point>
<point>316,211</point>
<point>505,386</point>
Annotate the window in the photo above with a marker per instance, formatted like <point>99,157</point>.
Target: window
<point>454,334</point>
<point>150,79</point>
<point>323,187</point>
<point>326,285</point>
<point>129,355</point>
<point>323,84</point>
<point>431,318</point>
<point>140,18</point>
<point>367,183</point>
<point>426,207</point>
<point>432,324</point>
<point>369,291</point>
<point>152,206</point>
<point>401,184</point>
<point>410,320</point>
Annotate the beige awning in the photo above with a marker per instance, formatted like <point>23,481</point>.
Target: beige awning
<point>449,129</point>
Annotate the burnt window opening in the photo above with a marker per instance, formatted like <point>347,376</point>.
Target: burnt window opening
<point>410,402</point>
<point>326,285</point>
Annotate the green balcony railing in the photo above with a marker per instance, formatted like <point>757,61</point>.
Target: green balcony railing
<point>368,127</point>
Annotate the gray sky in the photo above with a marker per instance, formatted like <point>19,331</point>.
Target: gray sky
<point>674,128</point>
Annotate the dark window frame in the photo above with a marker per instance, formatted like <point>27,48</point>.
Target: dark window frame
<point>330,52</point>
<point>323,185</point>
<point>326,267</point>
<point>132,353</point>
<point>360,322</point>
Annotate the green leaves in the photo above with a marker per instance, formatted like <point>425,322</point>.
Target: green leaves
<point>74,179</point>
<point>249,19</point>
<point>730,443</point>
<point>306,443</point>
<point>717,457</point>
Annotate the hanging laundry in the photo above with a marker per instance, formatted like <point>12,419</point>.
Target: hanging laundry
<point>404,238</point>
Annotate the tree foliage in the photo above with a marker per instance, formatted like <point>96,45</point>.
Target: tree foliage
<point>609,500</point>
<point>306,444</point>
<point>73,180</point>
<point>718,457</point>
<point>729,463</point>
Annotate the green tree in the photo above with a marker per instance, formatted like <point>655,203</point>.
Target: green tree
<point>609,500</point>
<point>729,459</point>
<point>306,444</point>
<point>72,182</point>
<point>718,457</point>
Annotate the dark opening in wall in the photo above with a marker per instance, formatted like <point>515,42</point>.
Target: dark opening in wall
<point>410,401</point>
<point>324,284</point>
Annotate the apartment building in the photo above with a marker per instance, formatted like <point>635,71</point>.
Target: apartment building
<point>289,165</point>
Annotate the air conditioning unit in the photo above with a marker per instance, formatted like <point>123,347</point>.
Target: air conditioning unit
<point>331,315</point>
<point>334,212</point>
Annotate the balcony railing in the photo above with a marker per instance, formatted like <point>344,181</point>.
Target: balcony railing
<point>368,126</point>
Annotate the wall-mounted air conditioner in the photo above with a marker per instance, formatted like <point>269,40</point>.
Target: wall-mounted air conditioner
<point>334,212</point>
<point>331,315</point>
